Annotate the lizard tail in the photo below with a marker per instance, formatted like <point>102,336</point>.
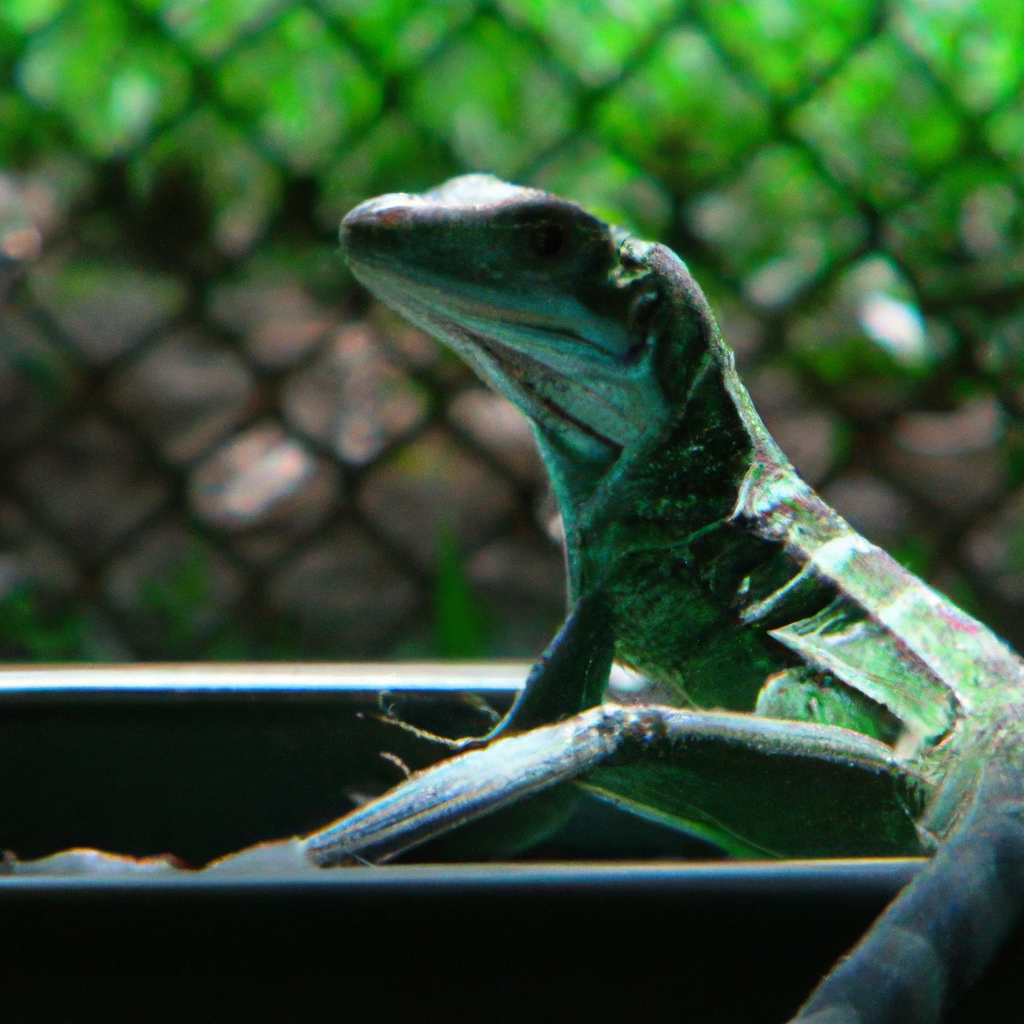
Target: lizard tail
<point>939,934</point>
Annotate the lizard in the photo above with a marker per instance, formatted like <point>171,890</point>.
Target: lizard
<point>799,655</point>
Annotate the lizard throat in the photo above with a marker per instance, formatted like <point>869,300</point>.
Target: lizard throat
<point>530,381</point>
<point>566,410</point>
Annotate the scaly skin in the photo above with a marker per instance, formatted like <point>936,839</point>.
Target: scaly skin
<point>698,556</point>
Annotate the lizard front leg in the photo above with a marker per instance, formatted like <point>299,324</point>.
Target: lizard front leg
<point>625,752</point>
<point>572,673</point>
<point>570,676</point>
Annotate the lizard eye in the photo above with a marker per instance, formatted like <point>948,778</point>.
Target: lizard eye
<point>548,239</point>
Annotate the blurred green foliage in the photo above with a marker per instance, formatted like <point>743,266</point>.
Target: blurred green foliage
<point>460,627</point>
<point>358,95</point>
<point>31,632</point>
<point>848,173</point>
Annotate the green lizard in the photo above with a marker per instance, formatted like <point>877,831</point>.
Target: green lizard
<point>829,702</point>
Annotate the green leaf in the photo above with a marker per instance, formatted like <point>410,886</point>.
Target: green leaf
<point>399,33</point>
<point>174,605</point>
<point>461,631</point>
<point>394,156</point>
<point>609,186</point>
<point>1004,132</point>
<point>787,44</point>
<point>779,225</point>
<point>30,632</point>
<point>915,554</point>
<point>976,48</point>
<point>494,99</point>
<point>27,16</point>
<point>242,188</point>
<point>596,38</point>
<point>682,115</point>
<point>113,82</point>
<point>211,27</point>
<point>881,125</point>
<point>27,132</point>
<point>302,88</point>
<point>965,234</point>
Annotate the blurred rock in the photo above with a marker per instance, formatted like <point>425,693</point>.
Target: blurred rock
<point>872,506</point>
<point>522,584</point>
<point>31,559</point>
<point>409,344</point>
<point>976,426</point>
<point>265,489</point>
<point>11,575</point>
<point>955,486</point>
<point>103,641</point>
<point>951,460</point>
<point>497,426</point>
<point>742,330</point>
<point>809,439</point>
<point>352,398</point>
<point>277,318</point>
<point>775,389</point>
<point>432,485</point>
<point>344,589</point>
<point>105,309</point>
<point>91,483</point>
<point>20,239</point>
<point>185,393</point>
<point>172,588</point>
<point>527,569</point>
<point>52,190</point>
<point>36,380</point>
<point>20,245</point>
<point>808,436</point>
<point>547,516</point>
<point>995,549</point>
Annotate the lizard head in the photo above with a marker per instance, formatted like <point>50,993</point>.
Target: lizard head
<point>552,307</point>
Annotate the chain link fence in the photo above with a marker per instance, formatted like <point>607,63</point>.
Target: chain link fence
<point>214,446</point>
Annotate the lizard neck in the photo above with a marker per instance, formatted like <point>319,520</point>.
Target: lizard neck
<point>689,471</point>
<point>664,537</point>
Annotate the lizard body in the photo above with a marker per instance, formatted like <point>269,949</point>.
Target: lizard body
<point>697,555</point>
<point>721,568</point>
